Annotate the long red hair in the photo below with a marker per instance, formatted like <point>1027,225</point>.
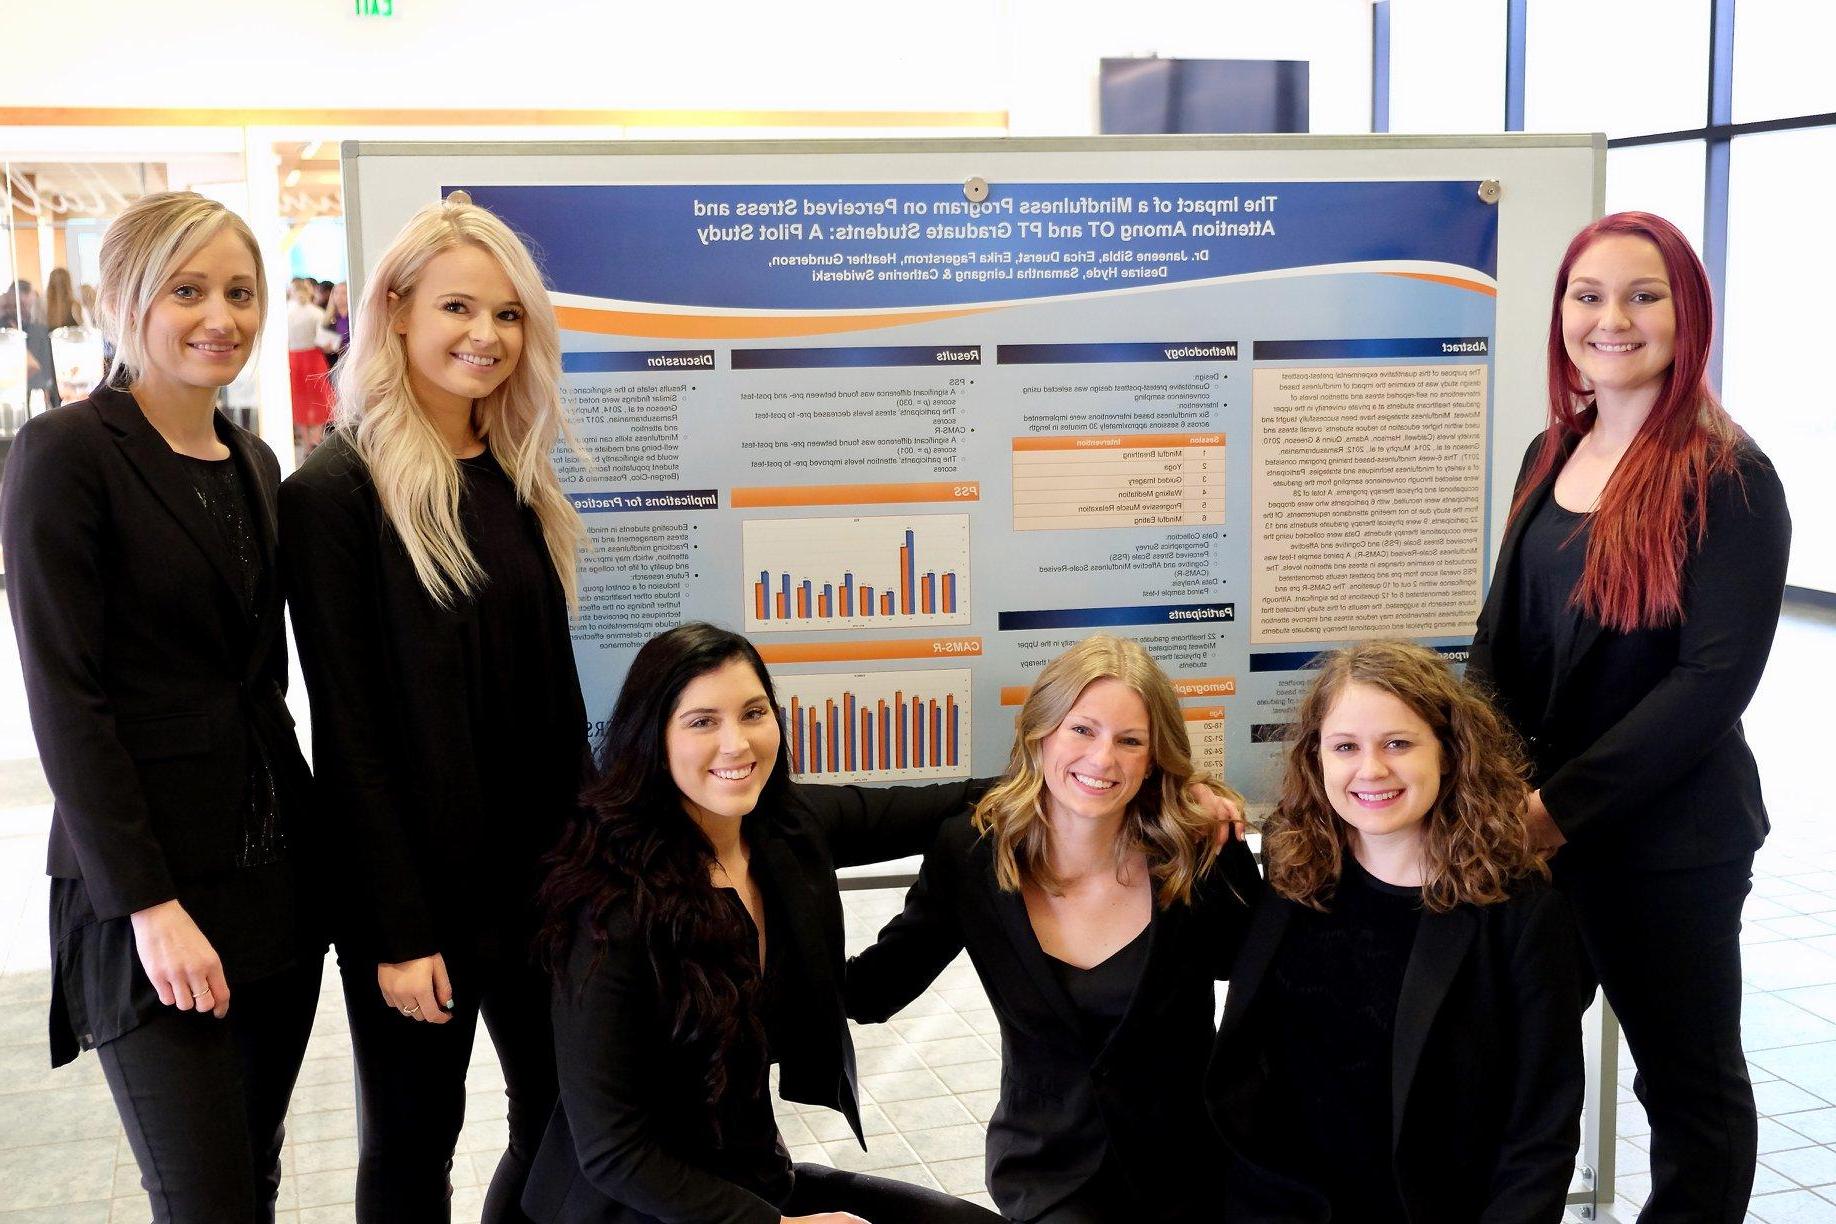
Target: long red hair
<point>1654,507</point>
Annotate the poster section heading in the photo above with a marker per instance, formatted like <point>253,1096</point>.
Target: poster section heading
<point>867,246</point>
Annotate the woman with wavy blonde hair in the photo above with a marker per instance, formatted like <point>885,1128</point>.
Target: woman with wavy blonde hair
<point>1099,908</point>
<point>430,567</point>
<point>1402,1039</point>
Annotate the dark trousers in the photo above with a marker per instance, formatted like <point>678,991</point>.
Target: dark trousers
<point>1665,946</point>
<point>203,1100</point>
<point>411,1088</point>
<point>880,1199</point>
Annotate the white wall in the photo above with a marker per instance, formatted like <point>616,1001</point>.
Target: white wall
<point>1036,59</point>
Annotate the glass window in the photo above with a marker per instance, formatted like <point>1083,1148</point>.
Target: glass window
<point>1626,68</point>
<point>1782,59</point>
<point>1447,66</point>
<point>1665,179</point>
<point>1779,254</point>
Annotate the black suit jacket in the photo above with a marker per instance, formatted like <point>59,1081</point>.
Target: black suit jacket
<point>1639,751</point>
<point>620,1147</point>
<point>394,746</point>
<point>1065,1104</point>
<point>1486,1071</point>
<point>149,681</point>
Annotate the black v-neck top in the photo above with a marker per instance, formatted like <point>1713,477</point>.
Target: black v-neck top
<point>1102,992</point>
<point>1330,1024</point>
<point>1549,563</point>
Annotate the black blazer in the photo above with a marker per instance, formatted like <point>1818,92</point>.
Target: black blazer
<point>1063,1104</point>
<point>1639,752</point>
<point>619,1149</point>
<point>1486,1071</point>
<point>393,742</point>
<point>149,681</point>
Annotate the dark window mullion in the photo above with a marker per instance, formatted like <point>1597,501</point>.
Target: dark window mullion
<point>1716,149</point>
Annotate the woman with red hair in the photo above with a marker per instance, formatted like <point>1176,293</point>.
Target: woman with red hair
<point>1628,624</point>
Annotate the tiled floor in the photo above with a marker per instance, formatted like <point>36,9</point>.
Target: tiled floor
<point>929,1078</point>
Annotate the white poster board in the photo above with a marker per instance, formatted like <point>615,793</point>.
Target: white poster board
<point>1243,398</point>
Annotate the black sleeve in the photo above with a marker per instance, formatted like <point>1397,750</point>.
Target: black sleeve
<point>1479,669</point>
<point>55,526</point>
<point>1732,590</point>
<point>915,946</point>
<point>1228,898</point>
<point>1543,1128</point>
<point>606,1038</point>
<point>329,561</point>
<point>868,824</point>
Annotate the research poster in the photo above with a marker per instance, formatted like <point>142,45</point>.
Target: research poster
<point>914,441</point>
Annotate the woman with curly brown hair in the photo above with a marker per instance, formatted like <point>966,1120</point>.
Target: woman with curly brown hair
<point>1402,1039</point>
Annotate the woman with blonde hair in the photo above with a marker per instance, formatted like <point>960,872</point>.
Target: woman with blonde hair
<point>430,570</point>
<point>1402,1039</point>
<point>1099,909</point>
<point>139,531</point>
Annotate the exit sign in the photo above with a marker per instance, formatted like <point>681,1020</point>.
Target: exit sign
<point>375,8</point>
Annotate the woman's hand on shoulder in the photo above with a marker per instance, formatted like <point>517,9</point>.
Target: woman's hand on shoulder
<point>1226,812</point>
<point>1546,837</point>
<point>179,960</point>
<point>824,1217</point>
<point>419,988</point>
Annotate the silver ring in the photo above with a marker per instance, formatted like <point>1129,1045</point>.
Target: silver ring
<point>409,1011</point>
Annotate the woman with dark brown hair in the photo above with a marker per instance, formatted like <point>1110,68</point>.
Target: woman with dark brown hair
<point>1402,1039</point>
<point>1629,621</point>
<point>694,927</point>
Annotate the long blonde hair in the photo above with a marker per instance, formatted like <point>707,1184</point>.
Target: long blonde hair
<point>141,248</point>
<point>1162,821</point>
<point>415,475</point>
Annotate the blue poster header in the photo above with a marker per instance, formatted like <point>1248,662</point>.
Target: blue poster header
<point>859,246</point>
<point>1406,346</point>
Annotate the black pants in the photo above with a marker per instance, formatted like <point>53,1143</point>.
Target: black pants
<point>411,1088</point>
<point>1665,946</point>
<point>878,1199</point>
<point>203,1100</point>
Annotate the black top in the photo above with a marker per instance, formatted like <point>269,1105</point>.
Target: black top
<point>1101,993</point>
<point>507,646</point>
<point>1549,564</point>
<point>154,663</point>
<point>628,1142</point>
<point>1068,1104</point>
<point>1637,744</point>
<point>1484,1071</point>
<point>1330,1021</point>
<point>452,741</point>
<point>751,1153</point>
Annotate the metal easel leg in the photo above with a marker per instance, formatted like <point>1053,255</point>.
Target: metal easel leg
<point>1600,1113</point>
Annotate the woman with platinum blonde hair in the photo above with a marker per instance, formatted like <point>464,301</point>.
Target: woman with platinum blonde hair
<point>430,572</point>
<point>1099,908</point>
<point>139,530</point>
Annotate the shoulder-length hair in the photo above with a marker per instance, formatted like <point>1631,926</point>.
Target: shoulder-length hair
<point>1477,846</point>
<point>633,844</point>
<point>1654,507</point>
<point>417,478</point>
<point>1177,836</point>
<point>142,247</point>
<point>60,300</point>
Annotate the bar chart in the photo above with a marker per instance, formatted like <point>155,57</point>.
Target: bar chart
<point>877,726</point>
<point>886,571</point>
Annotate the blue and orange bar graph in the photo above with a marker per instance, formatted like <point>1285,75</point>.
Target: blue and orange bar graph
<point>918,594</point>
<point>847,736</point>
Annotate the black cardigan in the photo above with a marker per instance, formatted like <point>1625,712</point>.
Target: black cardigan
<point>1486,1070</point>
<point>394,747</point>
<point>620,1148</point>
<point>149,682</point>
<point>1064,1105</point>
<point>1639,752</point>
